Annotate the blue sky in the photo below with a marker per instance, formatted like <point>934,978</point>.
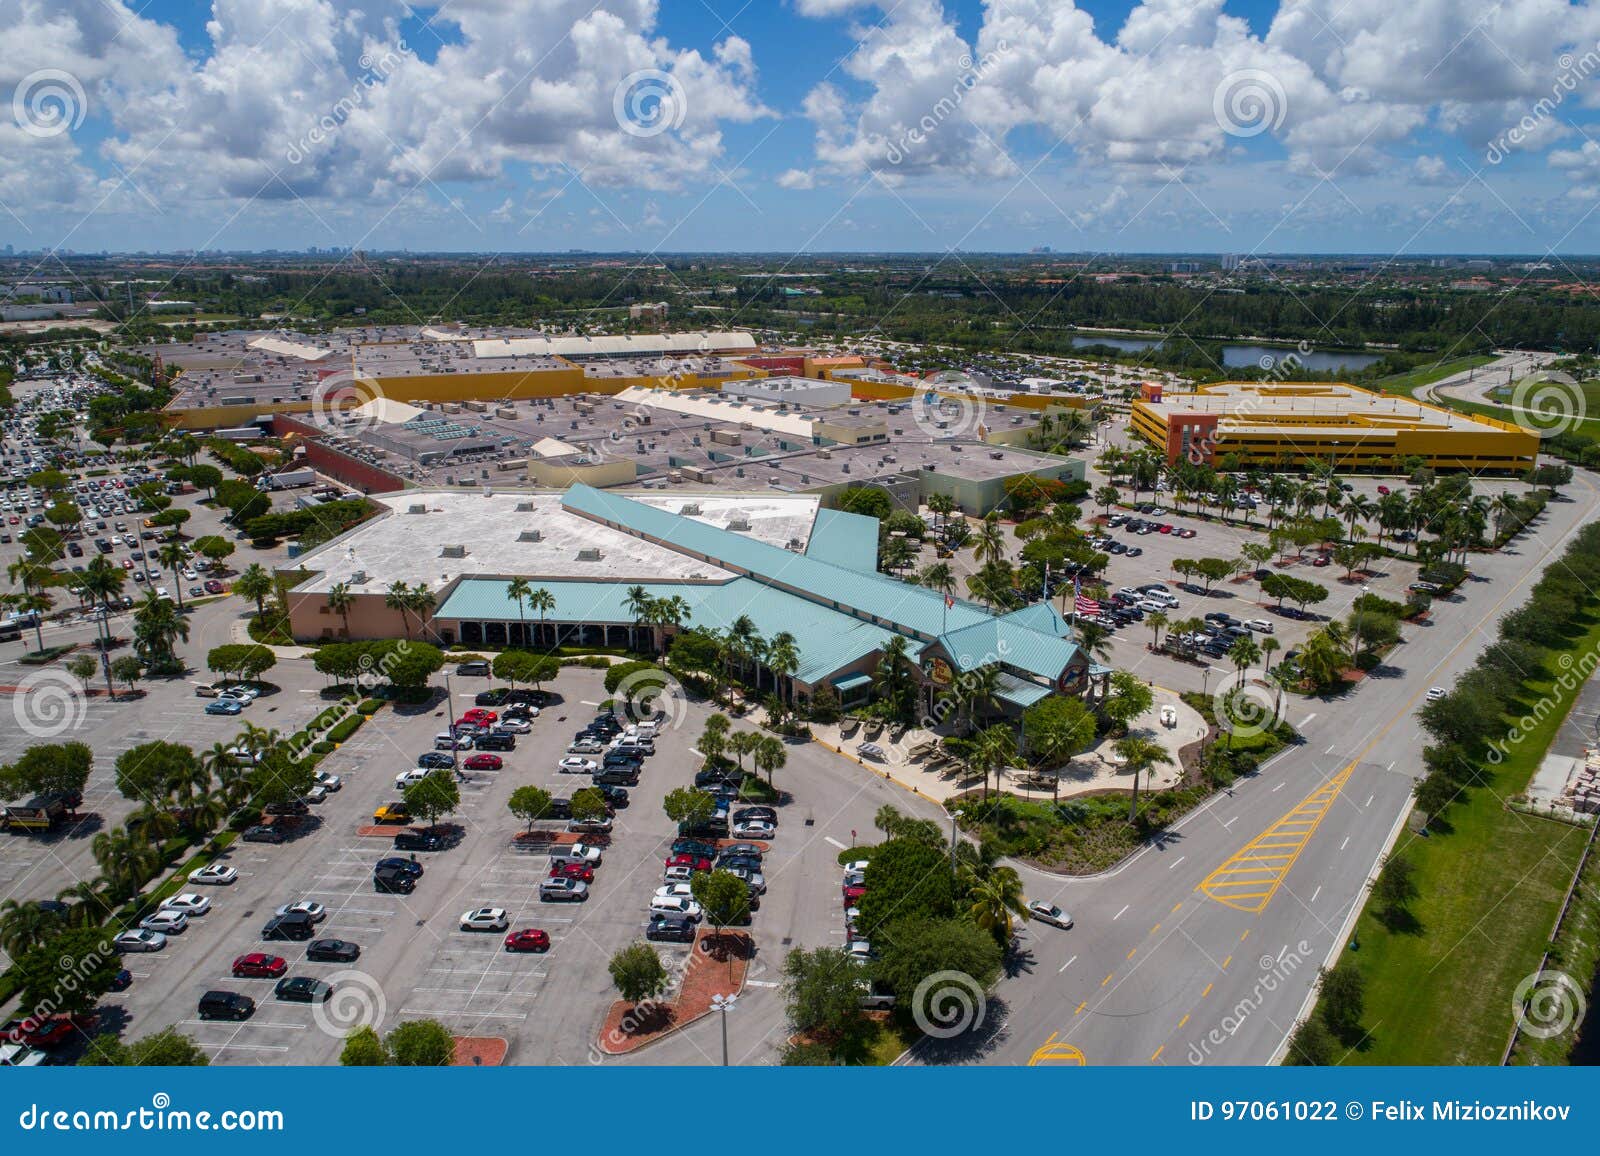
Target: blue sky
<point>820,125</point>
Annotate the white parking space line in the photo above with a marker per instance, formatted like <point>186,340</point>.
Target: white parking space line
<point>835,842</point>
<point>1059,970</point>
<point>471,1015</point>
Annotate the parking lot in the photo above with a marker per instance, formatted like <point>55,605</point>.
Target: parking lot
<point>416,962</point>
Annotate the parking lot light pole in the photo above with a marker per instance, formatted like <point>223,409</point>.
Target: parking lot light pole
<point>724,1004</point>
<point>450,708</point>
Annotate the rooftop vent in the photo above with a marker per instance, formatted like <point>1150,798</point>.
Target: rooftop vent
<point>530,536</point>
<point>741,524</point>
<point>590,554</point>
<point>690,509</point>
<point>417,508</point>
<point>453,552</point>
<point>358,578</point>
<point>997,455</point>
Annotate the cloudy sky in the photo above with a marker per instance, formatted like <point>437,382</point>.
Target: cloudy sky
<point>511,125</point>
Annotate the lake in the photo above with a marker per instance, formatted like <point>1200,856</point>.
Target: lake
<point>1239,356</point>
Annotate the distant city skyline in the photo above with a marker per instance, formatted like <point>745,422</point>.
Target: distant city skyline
<point>1181,127</point>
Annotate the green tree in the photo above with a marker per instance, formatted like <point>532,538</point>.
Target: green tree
<point>1129,698</point>
<point>689,806</point>
<point>127,669</point>
<point>1138,755</point>
<point>1312,1045</point>
<point>168,1048</point>
<point>1344,994</point>
<point>39,972</point>
<point>995,899</point>
<point>589,803</point>
<point>154,770</point>
<point>433,797</point>
<point>723,896</point>
<point>637,973</point>
<point>253,585</point>
<point>530,804</point>
<point>364,1049</point>
<point>906,879</point>
<point>421,1044</point>
<point>769,755</point>
<point>47,768</point>
<point>822,990</point>
<point>919,948</point>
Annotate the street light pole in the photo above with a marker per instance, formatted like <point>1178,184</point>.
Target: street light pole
<point>724,1004</point>
<point>450,706</point>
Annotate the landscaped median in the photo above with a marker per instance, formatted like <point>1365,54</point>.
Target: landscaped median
<point>717,965</point>
<point>1459,919</point>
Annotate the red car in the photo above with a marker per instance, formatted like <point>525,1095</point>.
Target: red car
<point>483,762</point>
<point>213,586</point>
<point>528,939</point>
<point>1320,560</point>
<point>1186,533</point>
<point>127,563</point>
<point>572,871</point>
<point>259,965</point>
<point>692,862</point>
<point>480,717</point>
<point>40,1033</point>
<point>1384,490</point>
<point>852,895</point>
<point>1164,528</point>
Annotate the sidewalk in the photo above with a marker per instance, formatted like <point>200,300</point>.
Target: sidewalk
<point>240,630</point>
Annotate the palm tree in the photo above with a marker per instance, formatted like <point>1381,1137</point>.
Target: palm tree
<point>769,755</point>
<point>1269,646</point>
<point>636,601</point>
<point>340,600</point>
<point>124,860</point>
<point>420,601</point>
<point>38,604</point>
<point>88,906</point>
<point>742,743</point>
<point>991,543</point>
<point>171,556</point>
<point>995,898</point>
<point>665,612</point>
<point>1357,508</point>
<point>518,590</point>
<point>939,577</point>
<point>543,601</point>
<point>23,924</point>
<point>994,749</point>
<point>157,628</point>
<point>892,679</point>
<point>783,659</point>
<point>1139,755</point>
<point>942,506</point>
<point>396,597</point>
<point>1157,621</point>
<point>742,639</point>
<point>1244,653</point>
<point>1093,639</point>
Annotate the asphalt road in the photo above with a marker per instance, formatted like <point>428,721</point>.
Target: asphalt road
<point>1157,969</point>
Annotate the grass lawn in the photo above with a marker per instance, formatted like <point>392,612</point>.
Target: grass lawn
<point>1576,952</point>
<point>1490,884</point>
<point>1409,383</point>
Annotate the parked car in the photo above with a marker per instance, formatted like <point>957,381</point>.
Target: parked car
<point>399,863</point>
<point>528,939</point>
<point>262,834</point>
<point>563,890</point>
<point>165,922</point>
<point>409,840</point>
<point>670,929</point>
<point>332,951</point>
<point>302,989</point>
<point>692,862</point>
<point>187,903</point>
<point>585,747</point>
<point>577,766</point>
<point>309,908</point>
<point>139,940</point>
<point>406,778</point>
<point>259,965</point>
<point>576,853</point>
<point>225,1005</point>
<point>485,919</point>
<point>675,905</point>
<point>754,829</point>
<point>224,706</point>
<point>434,761</point>
<point>214,873</point>
<point>579,871</point>
<point>483,763</point>
<point>391,813</point>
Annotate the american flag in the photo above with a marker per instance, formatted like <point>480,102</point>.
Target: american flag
<point>1082,605</point>
<point>949,601</point>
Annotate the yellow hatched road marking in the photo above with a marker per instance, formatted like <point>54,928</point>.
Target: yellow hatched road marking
<point>1249,879</point>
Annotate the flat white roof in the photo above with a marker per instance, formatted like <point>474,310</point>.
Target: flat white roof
<point>287,348</point>
<point>612,346</point>
<point>711,408</point>
<point>406,547</point>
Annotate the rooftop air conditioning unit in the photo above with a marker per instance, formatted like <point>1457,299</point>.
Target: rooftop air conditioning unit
<point>590,554</point>
<point>741,524</point>
<point>690,509</point>
<point>524,507</point>
<point>417,508</point>
<point>359,578</point>
<point>453,552</point>
<point>997,455</point>
<point>530,536</point>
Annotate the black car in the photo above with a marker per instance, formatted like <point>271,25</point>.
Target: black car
<point>688,846</point>
<point>615,796</point>
<point>295,926</point>
<point>292,807</point>
<point>495,697</point>
<point>410,840</point>
<point>496,741</point>
<point>620,758</point>
<point>614,776</point>
<point>435,761</point>
<point>475,667</point>
<point>710,777</point>
<point>670,929</point>
<point>389,881</point>
<point>748,862</point>
<point>743,814</point>
<point>332,951</point>
<point>524,697</point>
<point>226,1005</point>
<point>302,989</point>
<point>262,835</point>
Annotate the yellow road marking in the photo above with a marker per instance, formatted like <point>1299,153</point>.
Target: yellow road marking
<point>1155,929</point>
<point>1245,936</point>
<point>1158,1052</point>
<point>1080,1008</point>
<point>1206,992</point>
<point>1249,879</point>
<point>1181,1022</point>
<point>1107,979</point>
<point>1053,1054</point>
<point>1175,906</point>
<point>1132,953</point>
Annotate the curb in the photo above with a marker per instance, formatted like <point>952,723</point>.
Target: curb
<point>887,775</point>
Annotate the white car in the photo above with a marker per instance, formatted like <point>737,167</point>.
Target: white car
<point>855,866</point>
<point>678,874</point>
<point>242,754</point>
<point>675,890</point>
<point>139,941</point>
<point>314,910</point>
<point>317,794</point>
<point>1049,913</point>
<point>1259,625</point>
<point>215,873</point>
<point>855,878</point>
<point>586,747</point>
<point>675,905</point>
<point>572,765</point>
<point>406,778</point>
<point>329,782</point>
<point>187,904</point>
<point>870,751</point>
<point>754,829</point>
<point>485,919</point>
<point>859,950</point>
<point>166,922</point>
<point>241,692</point>
<point>576,853</point>
<point>1435,693</point>
<point>515,726</point>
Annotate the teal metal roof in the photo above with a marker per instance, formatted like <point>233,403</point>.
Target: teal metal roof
<point>851,681</point>
<point>844,539</point>
<point>825,638</point>
<point>1002,641</point>
<point>912,609</point>
<point>1041,616</point>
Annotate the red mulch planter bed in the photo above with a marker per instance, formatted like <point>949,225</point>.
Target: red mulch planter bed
<point>717,966</point>
<point>480,1052</point>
